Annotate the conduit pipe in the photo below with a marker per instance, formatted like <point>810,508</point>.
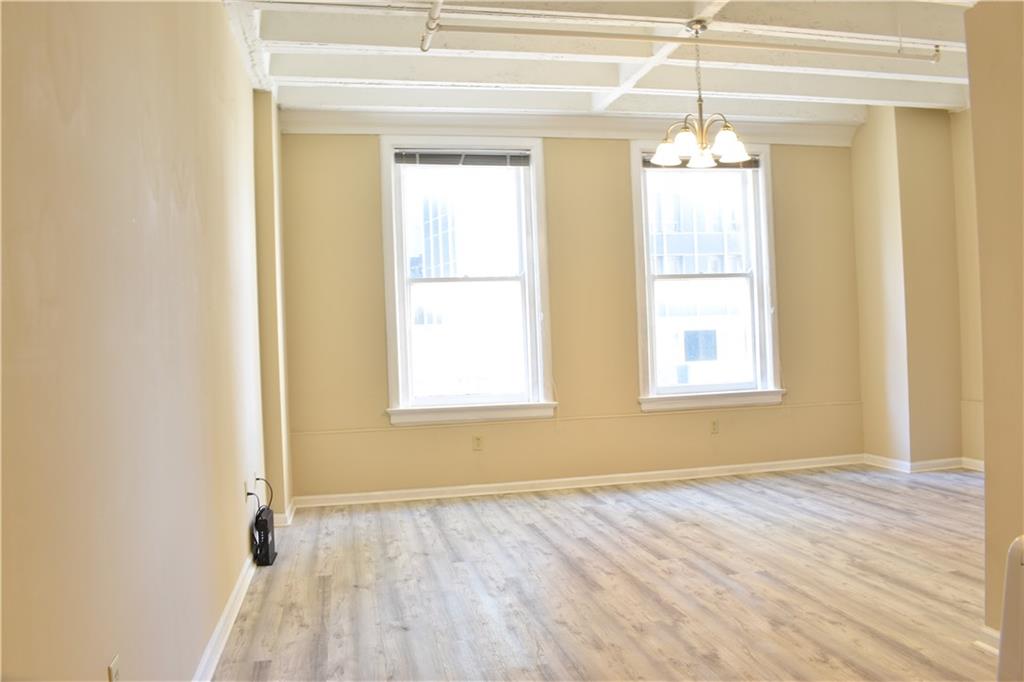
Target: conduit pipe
<point>681,40</point>
<point>433,24</point>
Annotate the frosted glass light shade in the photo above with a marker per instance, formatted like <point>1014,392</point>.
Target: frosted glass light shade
<point>702,159</point>
<point>686,143</point>
<point>665,155</point>
<point>725,141</point>
<point>736,154</point>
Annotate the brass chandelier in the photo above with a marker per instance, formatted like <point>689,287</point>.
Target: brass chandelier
<point>690,138</point>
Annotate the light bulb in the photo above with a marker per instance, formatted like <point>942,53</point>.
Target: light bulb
<point>702,159</point>
<point>686,143</point>
<point>665,155</point>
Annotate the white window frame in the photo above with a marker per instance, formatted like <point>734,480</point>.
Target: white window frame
<point>768,390</point>
<point>540,403</point>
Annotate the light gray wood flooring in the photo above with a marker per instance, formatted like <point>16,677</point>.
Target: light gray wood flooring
<point>828,574</point>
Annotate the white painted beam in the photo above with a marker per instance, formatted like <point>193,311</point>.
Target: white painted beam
<point>305,33</point>
<point>403,99</point>
<point>540,125</point>
<point>923,24</point>
<point>675,80</point>
<point>365,54</point>
<point>433,72</point>
<point>293,31</point>
<point>431,99</point>
<point>631,74</point>
<point>431,69</point>
<point>741,110</point>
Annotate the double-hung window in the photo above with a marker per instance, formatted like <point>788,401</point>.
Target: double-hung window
<point>707,318</point>
<point>463,246</point>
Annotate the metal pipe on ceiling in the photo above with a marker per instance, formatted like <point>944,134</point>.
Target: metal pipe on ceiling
<point>433,24</point>
<point>932,56</point>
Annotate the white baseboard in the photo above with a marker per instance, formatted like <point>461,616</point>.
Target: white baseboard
<point>973,464</point>
<point>411,494</point>
<point>575,482</point>
<point>937,464</point>
<point>908,467</point>
<point>215,647</point>
<point>887,463</point>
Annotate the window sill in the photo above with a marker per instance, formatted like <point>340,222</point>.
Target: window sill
<point>703,401</point>
<point>454,414</point>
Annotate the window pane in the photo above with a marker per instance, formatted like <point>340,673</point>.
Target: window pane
<point>467,339</point>
<point>697,221</point>
<point>462,221</point>
<point>703,332</point>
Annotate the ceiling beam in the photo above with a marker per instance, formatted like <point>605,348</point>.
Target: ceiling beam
<point>412,70</point>
<point>596,80</point>
<point>631,74</point>
<point>875,23</point>
<point>285,33</point>
<point>300,121</point>
<point>363,55</point>
<point>370,99</point>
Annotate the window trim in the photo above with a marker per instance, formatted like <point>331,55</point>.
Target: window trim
<point>769,390</point>
<point>538,330</point>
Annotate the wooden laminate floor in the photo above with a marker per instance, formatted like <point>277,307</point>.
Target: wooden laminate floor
<point>829,574</point>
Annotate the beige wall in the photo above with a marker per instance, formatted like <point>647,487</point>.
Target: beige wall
<point>131,398</point>
<point>882,303</point>
<point>928,229</point>
<point>995,56</point>
<point>341,439</point>
<point>267,152</point>
<point>971,398</point>
<point>906,235</point>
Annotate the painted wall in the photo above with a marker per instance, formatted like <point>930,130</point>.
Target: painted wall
<point>882,303</point>
<point>267,152</point>
<point>334,287</point>
<point>995,57</point>
<point>972,433</point>
<point>131,396</point>
<point>928,230</point>
<point>906,235</point>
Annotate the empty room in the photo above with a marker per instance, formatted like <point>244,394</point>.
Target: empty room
<point>526,340</point>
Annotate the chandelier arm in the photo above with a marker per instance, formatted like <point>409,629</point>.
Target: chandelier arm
<point>714,118</point>
<point>687,122</point>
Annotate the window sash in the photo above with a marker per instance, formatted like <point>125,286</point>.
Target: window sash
<point>476,398</point>
<point>528,279</point>
<point>685,389</point>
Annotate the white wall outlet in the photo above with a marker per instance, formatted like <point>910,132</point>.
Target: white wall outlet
<point>478,443</point>
<point>114,669</point>
<point>714,427</point>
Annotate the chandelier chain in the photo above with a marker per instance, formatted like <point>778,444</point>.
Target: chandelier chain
<point>696,44</point>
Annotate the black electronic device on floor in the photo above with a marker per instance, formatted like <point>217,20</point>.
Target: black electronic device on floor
<point>263,550</point>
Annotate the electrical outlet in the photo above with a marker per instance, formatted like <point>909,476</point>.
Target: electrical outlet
<point>714,427</point>
<point>478,443</point>
<point>114,669</point>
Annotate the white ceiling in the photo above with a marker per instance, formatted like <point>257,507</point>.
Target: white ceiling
<point>363,57</point>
